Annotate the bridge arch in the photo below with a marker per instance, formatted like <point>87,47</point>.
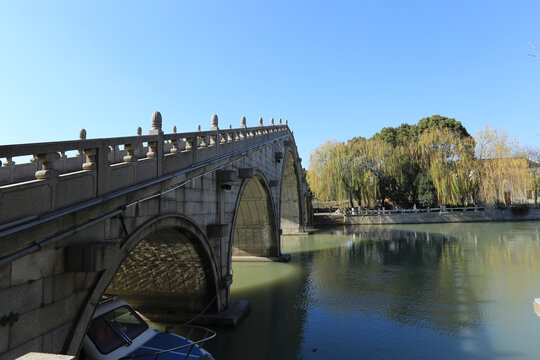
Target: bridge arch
<point>254,230</point>
<point>291,205</point>
<point>166,265</point>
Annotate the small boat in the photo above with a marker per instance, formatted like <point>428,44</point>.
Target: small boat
<point>536,305</point>
<point>118,332</point>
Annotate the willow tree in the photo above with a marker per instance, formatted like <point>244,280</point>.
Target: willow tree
<point>367,165</point>
<point>448,157</point>
<point>325,175</point>
<point>503,169</point>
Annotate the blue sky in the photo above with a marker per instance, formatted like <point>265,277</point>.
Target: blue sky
<point>334,69</point>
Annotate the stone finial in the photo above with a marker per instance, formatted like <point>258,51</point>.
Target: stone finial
<point>272,121</point>
<point>82,134</point>
<point>156,120</point>
<point>156,123</point>
<point>260,121</point>
<point>243,122</point>
<point>286,122</point>
<point>230,126</point>
<point>139,131</point>
<point>174,129</point>
<point>214,124</point>
<point>199,128</point>
<point>280,121</point>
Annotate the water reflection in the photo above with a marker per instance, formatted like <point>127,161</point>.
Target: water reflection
<point>453,291</point>
<point>414,278</point>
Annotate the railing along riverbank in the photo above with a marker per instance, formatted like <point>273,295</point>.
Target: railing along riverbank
<point>441,214</point>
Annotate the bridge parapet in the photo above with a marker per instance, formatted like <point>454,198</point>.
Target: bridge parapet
<point>52,180</point>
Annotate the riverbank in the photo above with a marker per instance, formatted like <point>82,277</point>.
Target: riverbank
<point>325,219</point>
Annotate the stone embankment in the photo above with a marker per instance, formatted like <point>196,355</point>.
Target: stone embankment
<point>426,217</point>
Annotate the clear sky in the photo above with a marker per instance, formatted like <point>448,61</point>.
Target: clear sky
<point>334,69</point>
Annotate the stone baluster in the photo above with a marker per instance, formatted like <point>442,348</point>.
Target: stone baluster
<point>230,135</point>
<point>174,149</point>
<point>189,143</point>
<point>201,140</point>
<point>9,162</point>
<point>130,157</point>
<point>202,143</point>
<point>47,165</point>
<point>174,142</point>
<point>90,163</point>
<point>152,149</point>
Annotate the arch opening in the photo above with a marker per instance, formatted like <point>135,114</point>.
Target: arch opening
<point>255,226</point>
<point>167,270</point>
<point>291,220</point>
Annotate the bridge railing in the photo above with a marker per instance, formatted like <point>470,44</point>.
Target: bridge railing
<point>53,180</point>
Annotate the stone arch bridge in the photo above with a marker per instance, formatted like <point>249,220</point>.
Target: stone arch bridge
<point>157,223</point>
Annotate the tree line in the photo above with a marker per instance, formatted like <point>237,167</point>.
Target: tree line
<point>435,162</point>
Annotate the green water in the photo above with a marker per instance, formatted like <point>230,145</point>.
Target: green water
<point>439,291</point>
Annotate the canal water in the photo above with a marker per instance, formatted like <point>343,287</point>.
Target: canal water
<point>437,291</point>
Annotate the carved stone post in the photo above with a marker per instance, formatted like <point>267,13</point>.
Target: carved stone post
<point>47,165</point>
<point>214,126</point>
<point>102,168</point>
<point>82,136</point>
<point>214,123</point>
<point>242,134</point>
<point>259,131</point>
<point>155,149</point>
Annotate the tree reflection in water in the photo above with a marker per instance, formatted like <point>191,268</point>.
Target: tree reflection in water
<point>452,291</point>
